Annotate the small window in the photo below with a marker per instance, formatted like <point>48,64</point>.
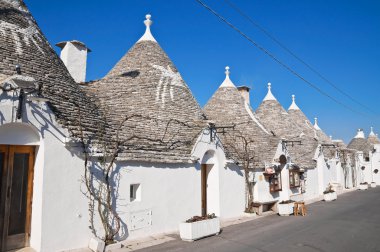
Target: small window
<point>367,159</point>
<point>135,192</point>
<point>294,179</point>
<point>275,182</point>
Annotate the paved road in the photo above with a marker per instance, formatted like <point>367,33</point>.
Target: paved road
<point>352,223</point>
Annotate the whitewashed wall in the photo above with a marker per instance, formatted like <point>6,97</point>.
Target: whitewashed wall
<point>262,190</point>
<point>376,164</point>
<point>59,210</point>
<point>366,174</point>
<point>170,193</point>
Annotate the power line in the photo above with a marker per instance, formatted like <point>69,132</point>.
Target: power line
<point>273,38</point>
<point>278,61</point>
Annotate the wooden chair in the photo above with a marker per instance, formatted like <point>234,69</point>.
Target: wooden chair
<point>299,207</point>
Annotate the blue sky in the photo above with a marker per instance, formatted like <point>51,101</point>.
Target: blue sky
<point>338,38</point>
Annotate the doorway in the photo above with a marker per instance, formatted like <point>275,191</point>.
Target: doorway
<point>16,189</point>
<point>209,189</point>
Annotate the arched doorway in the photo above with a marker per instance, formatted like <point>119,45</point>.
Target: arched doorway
<point>18,143</point>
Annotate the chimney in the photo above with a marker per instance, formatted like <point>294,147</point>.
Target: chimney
<point>74,56</point>
<point>244,91</point>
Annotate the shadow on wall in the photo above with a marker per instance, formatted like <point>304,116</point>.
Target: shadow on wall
<point>235,168</point>
<point>98,183</point>
<point>43,118</point>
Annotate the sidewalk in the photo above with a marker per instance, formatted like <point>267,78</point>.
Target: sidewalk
<point>162,238</point>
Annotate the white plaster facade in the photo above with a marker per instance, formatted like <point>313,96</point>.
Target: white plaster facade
<point>262,193</point>
<point>375,163</point>
<point>170,193</point>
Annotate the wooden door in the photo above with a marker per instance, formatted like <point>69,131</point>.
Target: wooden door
<point>204,188</point>
<point>16,165</point>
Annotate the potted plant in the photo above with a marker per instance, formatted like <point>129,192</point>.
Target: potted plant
<point>363,186</point>
<point>198,227</point>
<point>285,208</point>
<point>329,194</point>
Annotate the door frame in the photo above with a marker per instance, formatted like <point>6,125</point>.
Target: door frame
<point>6,190</point>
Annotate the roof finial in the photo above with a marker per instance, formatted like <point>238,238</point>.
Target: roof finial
<point>372,133</point>
<point>227,82</point>
<point>316,124</point>
<point>269,95</point>
<point>360,134</point>
<point>147,21</point>
<point>227,71</point>
<point>293,105</point>
<point>147,35</point>
<point>330,137</point>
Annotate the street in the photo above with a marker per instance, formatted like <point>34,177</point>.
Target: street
<point>352,223</point>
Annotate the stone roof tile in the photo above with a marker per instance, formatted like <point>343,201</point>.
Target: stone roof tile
<point>145,82</point>
<point>228,107</point>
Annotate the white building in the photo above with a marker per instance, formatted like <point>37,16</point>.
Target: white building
<point>230,106</point>
<point>367,157</point>
<point>172,160</point>
<point>168,171</point>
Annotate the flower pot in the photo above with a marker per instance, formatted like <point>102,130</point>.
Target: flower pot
<point>373,184</point>
<point>285,209</point>
<point>363,186</point>
<point>199,229</point>
<point>330,196</point>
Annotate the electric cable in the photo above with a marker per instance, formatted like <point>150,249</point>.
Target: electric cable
<point>279,43</point>
<point>280,62</point>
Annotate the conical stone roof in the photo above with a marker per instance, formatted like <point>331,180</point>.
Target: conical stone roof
<point>23,43</point>
<point>227,107</point>
<point>275,118</point>
<point>322,137</point>
<point>312,134</point>
<point>281,123</point>
<point>145,82</point>
<point>360,143</point>
<point>372,138</point>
